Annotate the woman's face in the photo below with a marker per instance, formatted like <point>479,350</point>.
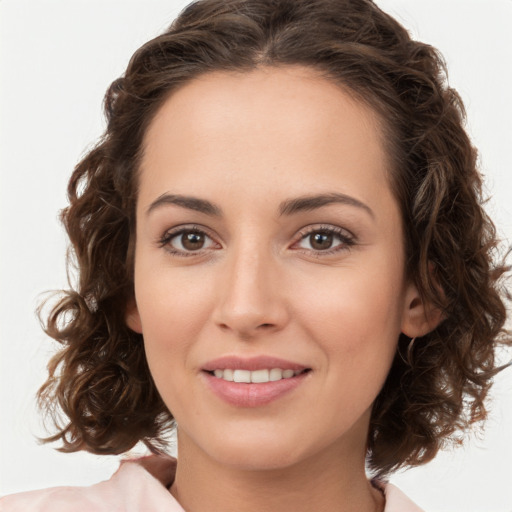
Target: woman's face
<point>268,239</point>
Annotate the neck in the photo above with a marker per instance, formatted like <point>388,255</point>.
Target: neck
<point>328,482</point>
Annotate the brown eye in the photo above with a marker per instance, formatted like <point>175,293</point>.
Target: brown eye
<point>188,241</point>
<point>192,241</point>
<point>326,240</point>
<point>321,240</point>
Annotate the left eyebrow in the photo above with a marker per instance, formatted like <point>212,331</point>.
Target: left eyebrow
<point>189,202</point>
<point>308,203</point>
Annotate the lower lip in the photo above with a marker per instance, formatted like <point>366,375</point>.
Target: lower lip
<point>242,394</point>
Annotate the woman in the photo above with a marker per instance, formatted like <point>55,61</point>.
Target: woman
<point>269,244</point>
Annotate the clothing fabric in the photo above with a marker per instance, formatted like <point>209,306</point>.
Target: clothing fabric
<point>137,486</point>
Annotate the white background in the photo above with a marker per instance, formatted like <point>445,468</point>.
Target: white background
<point>57,59</point>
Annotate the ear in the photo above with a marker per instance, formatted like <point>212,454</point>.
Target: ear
<point>132,317</point>
<point>419,318</point>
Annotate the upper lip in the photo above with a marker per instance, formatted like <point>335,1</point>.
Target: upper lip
<point>251,363</point>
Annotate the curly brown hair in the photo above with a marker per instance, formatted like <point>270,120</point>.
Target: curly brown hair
<point>437,386</point>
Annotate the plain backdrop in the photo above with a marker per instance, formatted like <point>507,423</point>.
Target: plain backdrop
<point>57,59</point>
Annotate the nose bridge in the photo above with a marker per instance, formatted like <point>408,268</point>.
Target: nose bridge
<point>250,299</point>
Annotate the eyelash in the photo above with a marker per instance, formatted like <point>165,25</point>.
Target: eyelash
<point>347,239</point>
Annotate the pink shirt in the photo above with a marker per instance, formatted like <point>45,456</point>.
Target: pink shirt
<point>133,488</point>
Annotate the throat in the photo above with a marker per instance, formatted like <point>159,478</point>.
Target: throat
<point>206,486</point>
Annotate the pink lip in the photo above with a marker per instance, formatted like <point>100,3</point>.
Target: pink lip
<point>251,363</point>
<point>252,395</point>
<point>241,394</point>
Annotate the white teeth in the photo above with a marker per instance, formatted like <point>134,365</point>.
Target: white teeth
<point>275,374</point>
<point>256,376</point>
<point>228,375</point>
<point>260,376</point>
<point>242,376</point>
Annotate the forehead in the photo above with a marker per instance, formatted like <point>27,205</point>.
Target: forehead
<point>286,126</point>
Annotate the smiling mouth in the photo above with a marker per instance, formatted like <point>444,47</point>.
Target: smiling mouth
<point>256,376</point>
<point>253,382</point>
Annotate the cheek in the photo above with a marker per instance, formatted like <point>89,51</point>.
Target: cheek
<point>173,307</point>
<point>173,312</point>
<point>356,324</point>
<point>355,317</point>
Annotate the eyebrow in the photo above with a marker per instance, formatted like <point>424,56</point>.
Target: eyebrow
<point>189,202</point>
<point>308,203</point>
<point>288,207</point>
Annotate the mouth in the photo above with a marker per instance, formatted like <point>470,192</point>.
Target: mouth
<point>253,382</point>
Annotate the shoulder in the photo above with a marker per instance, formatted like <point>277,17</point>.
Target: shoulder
<point>133,488</point>
<point>137,486</point>
<point>56,499</point>
<point>397,501</point>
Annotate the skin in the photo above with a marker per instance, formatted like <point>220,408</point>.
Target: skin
<point>248,143</point>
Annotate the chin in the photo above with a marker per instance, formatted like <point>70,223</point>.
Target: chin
<point>252,450</point>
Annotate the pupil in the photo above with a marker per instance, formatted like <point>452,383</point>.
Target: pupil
<point>321,240</point>
<point>192,241</point>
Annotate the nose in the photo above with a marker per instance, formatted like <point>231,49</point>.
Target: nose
<point>251,295</point>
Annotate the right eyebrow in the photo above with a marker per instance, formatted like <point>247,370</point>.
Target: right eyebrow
<point>189,202</point>
<point>309,203</point>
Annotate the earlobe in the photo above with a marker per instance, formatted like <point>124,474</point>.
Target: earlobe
<point>419,317</point>
<point>132,317</point>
